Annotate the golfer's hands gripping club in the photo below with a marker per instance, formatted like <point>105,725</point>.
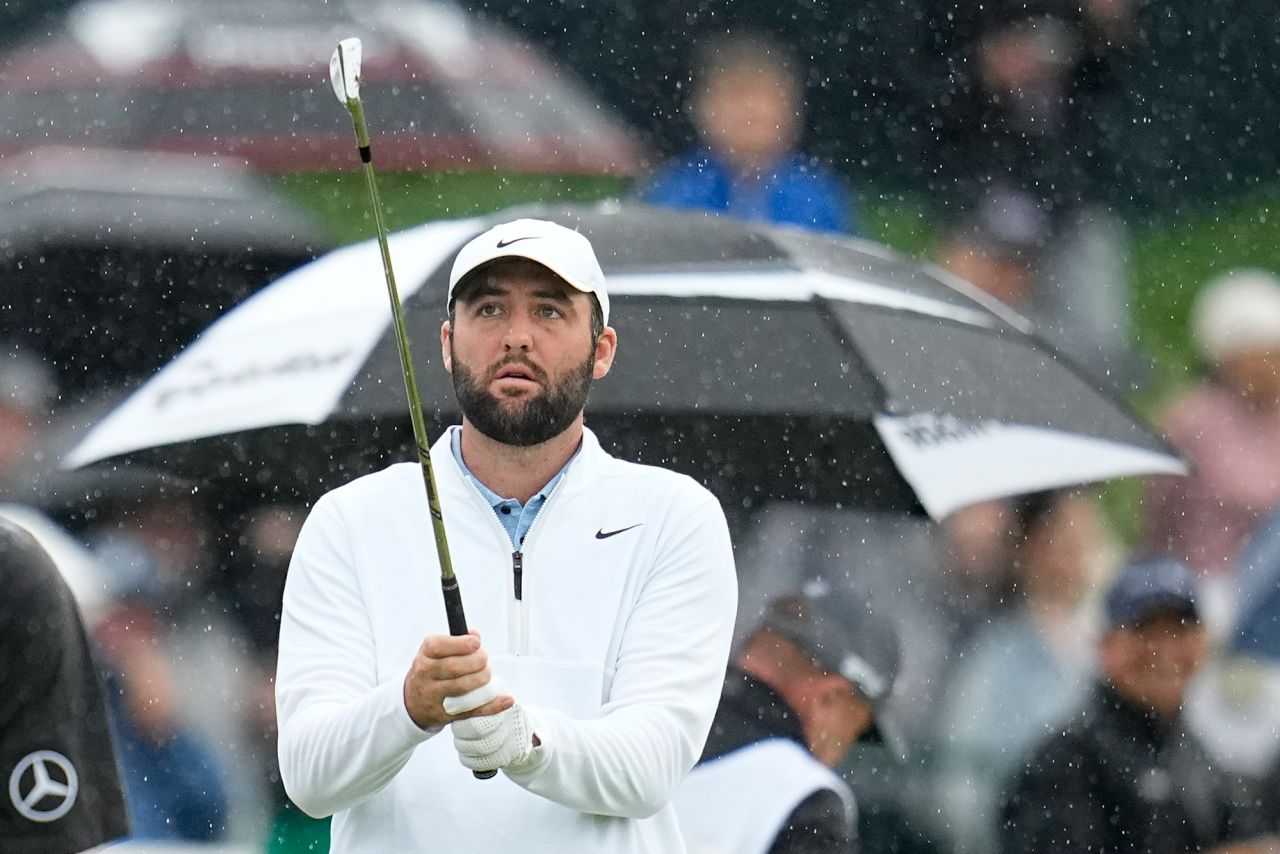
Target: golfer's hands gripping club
<point>486,742</point>
<point>449,680</point>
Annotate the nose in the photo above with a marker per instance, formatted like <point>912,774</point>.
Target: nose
<point>518,335</point>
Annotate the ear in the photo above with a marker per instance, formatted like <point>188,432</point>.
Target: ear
<point>606,347</point>
<point>446,347</point>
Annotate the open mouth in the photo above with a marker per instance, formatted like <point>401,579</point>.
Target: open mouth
<point>515,373</point>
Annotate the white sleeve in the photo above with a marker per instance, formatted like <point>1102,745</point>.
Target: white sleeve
<point>670,671</point>
<point>343,736</point>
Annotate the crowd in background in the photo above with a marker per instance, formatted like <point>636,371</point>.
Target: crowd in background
<point>998,606</point>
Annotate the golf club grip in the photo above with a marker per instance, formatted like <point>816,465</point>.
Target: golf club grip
<point>458,626</point>
<point>453,606</point>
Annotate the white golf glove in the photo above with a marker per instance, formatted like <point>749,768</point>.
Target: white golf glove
<point>475,698</point>
<point>504,740</point>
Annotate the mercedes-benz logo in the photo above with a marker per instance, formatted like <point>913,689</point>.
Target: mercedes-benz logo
<point>43,786</point>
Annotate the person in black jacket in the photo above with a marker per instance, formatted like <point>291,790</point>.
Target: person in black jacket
<point>1126,776</point>
<point>811,680</point>
<point>61,784</point>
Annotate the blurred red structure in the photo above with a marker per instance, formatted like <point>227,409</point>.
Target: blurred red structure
<point>248,80</point>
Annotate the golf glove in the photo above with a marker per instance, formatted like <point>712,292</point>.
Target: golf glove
<point>504,740</point>
<point>475,698</point>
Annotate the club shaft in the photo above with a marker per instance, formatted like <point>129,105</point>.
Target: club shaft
<point>457,621</point>
<point>456,617</point>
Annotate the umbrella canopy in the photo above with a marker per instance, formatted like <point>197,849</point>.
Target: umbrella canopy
<point>112,260</point>
<point>247,78</point>
<point>769,363</point>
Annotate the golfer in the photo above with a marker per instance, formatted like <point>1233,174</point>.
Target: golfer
<point>600,594</point>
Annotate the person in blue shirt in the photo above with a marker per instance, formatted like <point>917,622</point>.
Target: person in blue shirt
<point>748,109</point>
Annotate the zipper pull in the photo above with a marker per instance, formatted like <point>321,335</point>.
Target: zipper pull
<point>517,567</point>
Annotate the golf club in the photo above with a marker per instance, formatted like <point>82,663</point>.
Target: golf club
<point>344,72</point>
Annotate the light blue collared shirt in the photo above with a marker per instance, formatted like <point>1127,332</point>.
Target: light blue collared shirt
<point>515,517</point>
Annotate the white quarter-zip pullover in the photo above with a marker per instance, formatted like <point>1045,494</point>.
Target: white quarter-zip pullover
<point>616,645</point>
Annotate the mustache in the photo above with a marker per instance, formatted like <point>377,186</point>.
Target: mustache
<point>525,362</point>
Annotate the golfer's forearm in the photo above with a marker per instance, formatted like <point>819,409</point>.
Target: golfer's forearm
<point>333,755</point>
<point>626,765</point>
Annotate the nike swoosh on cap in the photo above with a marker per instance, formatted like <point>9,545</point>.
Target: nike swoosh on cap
<point>602,534</point>
<point>503,244</point>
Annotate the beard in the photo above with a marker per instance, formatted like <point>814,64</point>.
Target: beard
<point>533,420</point>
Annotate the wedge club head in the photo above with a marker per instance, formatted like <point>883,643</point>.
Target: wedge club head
<point>344,71</point>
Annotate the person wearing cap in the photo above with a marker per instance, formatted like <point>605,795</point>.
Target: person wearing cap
<point>1228,428</point>
<point>811,681</point>
<point>1126,775</point>
<point>601,596</point>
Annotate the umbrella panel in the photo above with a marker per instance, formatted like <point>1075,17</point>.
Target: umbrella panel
<point>949,371</point>
<point>743,460</point>
<point>712,358</point>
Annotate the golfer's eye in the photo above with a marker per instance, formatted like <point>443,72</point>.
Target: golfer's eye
<point>488,309</point>
<point>549,311</point>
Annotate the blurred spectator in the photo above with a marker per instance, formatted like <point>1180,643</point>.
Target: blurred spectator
<point>56,756</point>
<point>1125,775</point>
<point>975,560</point>
<point>182,691</point>
<point>812,680</point>
<point>27,392</point>
<point>1022,81</point>
<point>1028,669</point>
<point>1228,427</point>
<point>1234,706</point>
<point>254,581</point>
<point>1021,84</point>
<point>748,109</point>
<point>1006,246</point>
<point>899,566</point>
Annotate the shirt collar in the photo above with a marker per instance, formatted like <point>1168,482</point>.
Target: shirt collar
<point>493,498</point>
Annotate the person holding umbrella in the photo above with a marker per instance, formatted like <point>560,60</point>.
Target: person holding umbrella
<point>601,597</point>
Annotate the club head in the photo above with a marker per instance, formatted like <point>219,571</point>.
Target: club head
<point>344,71</point>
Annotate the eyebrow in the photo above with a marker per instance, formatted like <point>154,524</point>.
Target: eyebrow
<point>560,294</point>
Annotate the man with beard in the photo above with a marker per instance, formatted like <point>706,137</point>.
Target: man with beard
<point>600,593</point>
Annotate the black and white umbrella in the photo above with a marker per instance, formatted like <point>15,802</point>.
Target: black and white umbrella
<point>766,362</point>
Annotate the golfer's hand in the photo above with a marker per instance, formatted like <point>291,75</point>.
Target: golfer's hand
<point>489,742</point>
<point>448,666</point>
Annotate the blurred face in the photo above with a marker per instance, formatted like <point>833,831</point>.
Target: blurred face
<point>520,351</point>
<point>1053,562</point>
<point>748,116</point>
<point>1152,663</point>
<point>1253,373</point>
<point>977,543</point>
<point>1007,279</point>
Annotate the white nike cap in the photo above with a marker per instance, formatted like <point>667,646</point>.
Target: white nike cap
<point>561,250</point>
